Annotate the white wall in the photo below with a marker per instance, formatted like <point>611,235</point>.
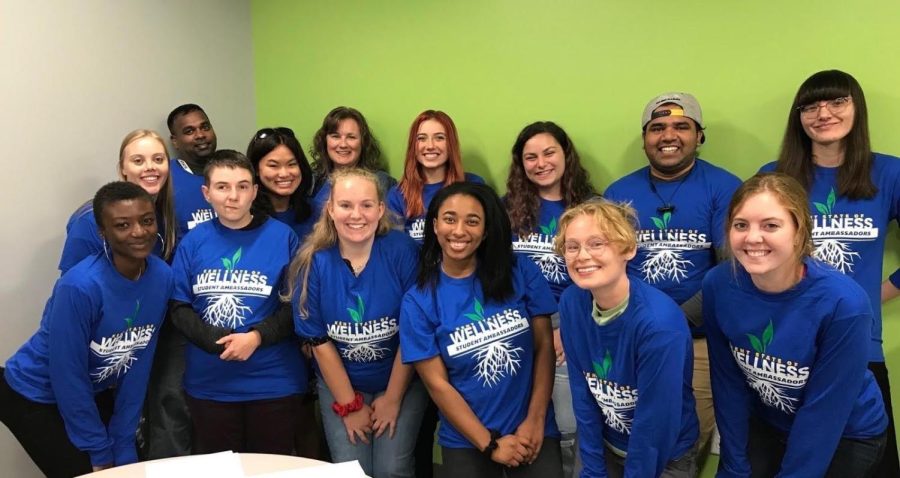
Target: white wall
<point>77,76</point>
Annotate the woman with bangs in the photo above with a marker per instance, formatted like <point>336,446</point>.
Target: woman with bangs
<point>546,177</point>
<point>285,178</point>
<point>143,160</point>
<point>854,194</point>
<point>344,141</point>
<point>628,350</point>
<point>433,161</point>
<point>347,282</point>
<point>476,326</point>
<point>787,337</point>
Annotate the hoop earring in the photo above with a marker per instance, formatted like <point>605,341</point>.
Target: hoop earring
<point>162,242</point>
<point>106,251</point>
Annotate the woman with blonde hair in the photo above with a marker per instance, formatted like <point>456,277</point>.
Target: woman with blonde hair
<point>143,160</point>
<point>347,282</point>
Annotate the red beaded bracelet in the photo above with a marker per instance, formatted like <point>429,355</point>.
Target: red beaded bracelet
<point>344,410</point>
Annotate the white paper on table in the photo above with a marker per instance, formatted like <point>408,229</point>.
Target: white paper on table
<point>350,469</point>
<point>221,465</point>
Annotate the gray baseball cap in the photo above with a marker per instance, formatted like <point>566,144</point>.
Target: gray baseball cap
<point>689,107</point>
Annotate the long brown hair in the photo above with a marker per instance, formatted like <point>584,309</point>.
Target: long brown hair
<point>413,180</point>
<point>522,198</point>
<point>854,178</point>
<point>369,151</point>
<point>165,204</point>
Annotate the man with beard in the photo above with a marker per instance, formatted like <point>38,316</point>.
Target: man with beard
<point>166,430</point>
<point>194,139</point>
<point>681,201</point>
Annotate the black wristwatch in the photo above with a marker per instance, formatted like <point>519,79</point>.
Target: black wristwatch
<point>492,445</point>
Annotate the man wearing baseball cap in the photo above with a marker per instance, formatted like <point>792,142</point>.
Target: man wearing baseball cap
<point>682,202</point>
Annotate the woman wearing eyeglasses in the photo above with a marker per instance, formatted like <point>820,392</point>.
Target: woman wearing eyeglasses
<point>629,352</point>
<point>854,193</point>
<point>284,177</point>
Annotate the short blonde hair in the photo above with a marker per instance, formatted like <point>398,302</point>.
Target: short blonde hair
<point>616,221</point>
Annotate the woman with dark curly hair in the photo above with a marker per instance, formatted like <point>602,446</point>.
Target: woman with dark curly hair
<point>545,178</point>
<point>343,141</point>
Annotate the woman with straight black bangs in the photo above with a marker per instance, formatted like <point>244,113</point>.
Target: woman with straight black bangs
<point>344,141</point>
<point>476,326</point>
<point>285,178</point>
<point>854,194</point>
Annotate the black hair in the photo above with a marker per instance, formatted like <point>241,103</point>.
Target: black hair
<point>228,158</point>
<point>181,111</point>
<point>495,258</point>
<point>114,192</point>
<point>262,143</point>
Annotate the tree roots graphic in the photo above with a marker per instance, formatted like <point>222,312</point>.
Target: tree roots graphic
<point>836,253</point>
<point>664,264</point>
<point>367,352</point>
<point>772,395</point>
<point>495,361</point>
<point>225,310</point>
<point>116,365</point>
<point>552,266</point>
<point>618,421</point>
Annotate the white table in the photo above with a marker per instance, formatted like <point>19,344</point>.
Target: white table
<point>253,463</point>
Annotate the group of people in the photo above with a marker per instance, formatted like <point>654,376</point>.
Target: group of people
<point>326,310</point>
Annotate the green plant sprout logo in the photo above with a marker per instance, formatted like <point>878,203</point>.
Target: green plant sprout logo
<point>826,209</point>
<point>549,229</point>
<point>602,370</point>
<point>130,320</point>
<point>359,312</point>
<point>479,312</point>
<point>231,263</point>
<point>760,344</point>
<point>662,223</point>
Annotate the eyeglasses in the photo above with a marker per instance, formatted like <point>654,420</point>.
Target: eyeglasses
<point>593,247</point>
<point>266,132</point>
<point>836,105</point>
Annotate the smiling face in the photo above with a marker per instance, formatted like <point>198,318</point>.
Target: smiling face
<point>826,126</point>
<point>231,192</point>
<point>593,263</point>
<point>459,229</point>
<point>344,143</point>
<point>763,238</point>
<point>279,171</point>
<point>194,136</point>
<point>544,161</point>
<point>144,162</point>
<point>670,143</point>
<point>355,209</point>
<point>129,227</point>
<point>431,150</point>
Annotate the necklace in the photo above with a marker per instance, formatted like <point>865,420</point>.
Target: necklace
<point>667,206</point>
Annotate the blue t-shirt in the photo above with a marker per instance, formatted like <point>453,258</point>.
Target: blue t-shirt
<point>538,246</point>
<point>301,229</point>
<point>797,360</point>
<point>98,331</point>
<point>486,346</point>
<point>233,278</point>
<point>361,314</point>
<point>676,248</point>
<point>83,238</point>
<point>191,207</point>
<point>850,235</point>
<point>630,380</point>
<point>415,226</point>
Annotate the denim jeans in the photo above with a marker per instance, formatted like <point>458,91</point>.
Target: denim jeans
<point>565,420</point>
<point>383,457</point>
<point>684,466</point>
<point>856,458</point>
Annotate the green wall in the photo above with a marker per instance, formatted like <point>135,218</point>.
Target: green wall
<point>591,66</point>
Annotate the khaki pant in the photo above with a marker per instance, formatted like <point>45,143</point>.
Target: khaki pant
<point>703,394</point>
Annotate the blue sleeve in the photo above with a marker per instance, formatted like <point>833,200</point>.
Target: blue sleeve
<point>768,167</point>
<point>657,416</point>
<point>725,188</point>
<point>895,216</point>
<point>539,298</point>
<point>474,178</point>
<point>82,240</point>
<point>395,201</point>
<point>732,403</point>
<point>409,263</point>
<point>70,325</point>
<point>835,380</point>
<point>417,332</point>
<point>181,271</point>
<point>588,418</point>
<point>311,324</point>
<point>130,397</point>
